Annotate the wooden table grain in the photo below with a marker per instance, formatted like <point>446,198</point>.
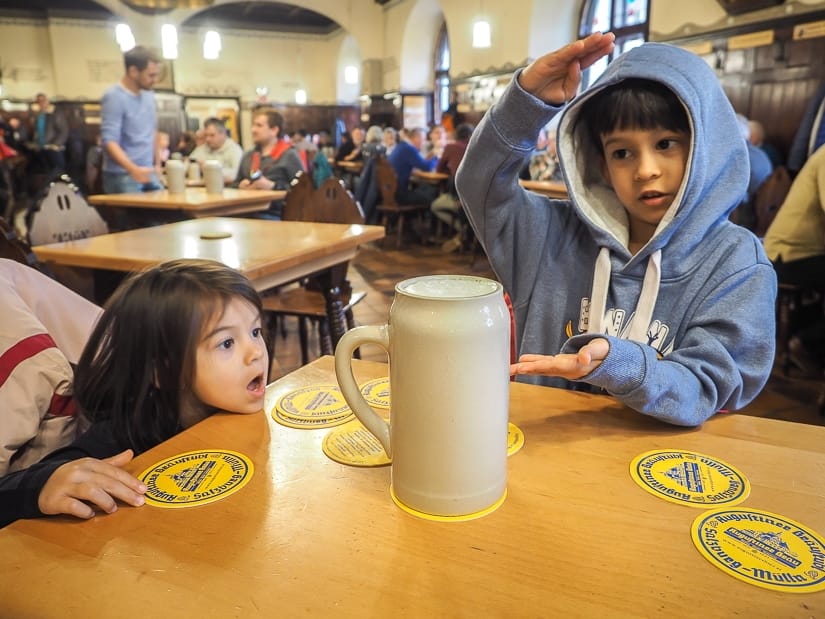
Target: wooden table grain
<point>551,189</point>
<point>269,253</point>
<point>310,537</point>
<point>194,202</point>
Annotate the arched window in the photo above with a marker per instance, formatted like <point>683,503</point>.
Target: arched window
<point>441,89</point>
<point>627,19</point>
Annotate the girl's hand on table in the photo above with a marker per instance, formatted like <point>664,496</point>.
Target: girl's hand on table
<point>76,484</point>
<point>569,366</point>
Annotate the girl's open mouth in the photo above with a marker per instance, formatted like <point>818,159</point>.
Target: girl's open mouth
<point>256,385</point>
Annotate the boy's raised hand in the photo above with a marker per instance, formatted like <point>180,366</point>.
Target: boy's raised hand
<point>569,366</point>
<point>75,484</point>
<point>555,77</point>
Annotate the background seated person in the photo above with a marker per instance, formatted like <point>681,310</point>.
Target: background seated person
<point>795,243</point>
<point>220,147</point>
<point>760,169</point>
<point>373,143</point>
<point>272,164</point>
<point>350,149</point>
<point>447,205</point>
<point>405,158</point>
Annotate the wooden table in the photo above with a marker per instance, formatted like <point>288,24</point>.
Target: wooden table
<point>354,167</point>
<point>309,537</point>
<point>194,202</point>
<point>433,178</point>
<point>269,253</point>
<point>551,189</point>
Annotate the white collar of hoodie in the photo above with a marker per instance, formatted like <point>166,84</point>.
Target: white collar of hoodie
<point>644,306</point>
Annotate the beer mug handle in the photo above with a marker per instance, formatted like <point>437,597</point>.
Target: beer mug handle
<point>346,380</point>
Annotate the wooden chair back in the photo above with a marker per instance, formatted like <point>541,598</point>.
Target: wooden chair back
<point>62,214</point>
<point>769,198</point>
<point>12,247</point>
<point>334,204</point>
<point>299,199</point>
<point>387,181</point>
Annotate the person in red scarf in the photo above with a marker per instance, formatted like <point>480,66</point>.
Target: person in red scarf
<point>272,164</point>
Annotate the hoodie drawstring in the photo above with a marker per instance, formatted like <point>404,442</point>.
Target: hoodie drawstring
<point>643,314</point>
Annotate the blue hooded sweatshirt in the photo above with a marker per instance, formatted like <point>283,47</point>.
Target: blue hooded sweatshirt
<point>689,317</point>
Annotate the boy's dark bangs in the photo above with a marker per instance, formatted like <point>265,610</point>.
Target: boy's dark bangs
<point>638,104</point>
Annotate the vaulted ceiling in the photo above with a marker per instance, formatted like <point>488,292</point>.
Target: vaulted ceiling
<point>253,15</point>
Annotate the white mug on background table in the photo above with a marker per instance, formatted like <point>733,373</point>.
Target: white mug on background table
<point>448,340</point>
<point>175,178</point>
<point>213,176</point>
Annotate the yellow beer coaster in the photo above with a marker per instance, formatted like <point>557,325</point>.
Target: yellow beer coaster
<point>354,445</point>
<point>196,478</point>
<point>689,478</point>
<point>377,392</point>
<point>515,439</point>
<point>762,548</point>
<point>436,518</point>
<point>317,406</point>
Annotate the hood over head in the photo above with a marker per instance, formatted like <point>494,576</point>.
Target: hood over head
<point>715,180</point>
<point>717,171</point>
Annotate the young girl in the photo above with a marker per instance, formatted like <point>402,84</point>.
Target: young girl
<point>175,344</point>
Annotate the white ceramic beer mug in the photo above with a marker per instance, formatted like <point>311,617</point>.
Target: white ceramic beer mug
<point>448,340</point>
<point>213,176</point>
<point>175,181</point>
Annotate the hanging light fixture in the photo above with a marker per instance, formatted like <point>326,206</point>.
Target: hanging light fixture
<point>169,40</point>
<point>350,71</point>
<point>351,74</point>
<point>211,45</point>
<point>481,33</point>
<point>152,7</point>
<point>300,96</point>
<point>124,37</point>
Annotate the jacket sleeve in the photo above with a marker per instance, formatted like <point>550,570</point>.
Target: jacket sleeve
<point>61,127</point>
<point>20,491</point>
<point>721,362</point>
<point>284,169</point>
<point>513,225</point>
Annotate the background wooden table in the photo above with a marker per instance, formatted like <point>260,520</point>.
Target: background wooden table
<point>269,253</point>
<point>309,537</point>
<point>551,189</point>
<point>194,202</point>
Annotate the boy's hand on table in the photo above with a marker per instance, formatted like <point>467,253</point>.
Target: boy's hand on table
<point>569,366</point>
<point>76,484</point>
<point>555,77</point>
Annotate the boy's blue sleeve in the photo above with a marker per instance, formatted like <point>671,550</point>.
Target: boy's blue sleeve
<point>722,362</point>
<point>512,225</point>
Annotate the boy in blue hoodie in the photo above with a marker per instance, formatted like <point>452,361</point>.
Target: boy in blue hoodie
<point>639,281</point>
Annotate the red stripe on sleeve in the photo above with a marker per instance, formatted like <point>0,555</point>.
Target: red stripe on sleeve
<point>22,350</point>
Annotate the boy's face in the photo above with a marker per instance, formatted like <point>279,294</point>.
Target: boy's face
<point>645,168</point>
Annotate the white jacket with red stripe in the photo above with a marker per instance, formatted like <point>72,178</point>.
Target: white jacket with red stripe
<point>43,329</point>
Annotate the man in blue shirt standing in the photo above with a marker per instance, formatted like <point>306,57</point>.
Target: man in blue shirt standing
<point>128,126</point>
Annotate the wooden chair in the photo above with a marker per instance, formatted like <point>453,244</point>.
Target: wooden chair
<point>788,300</point>
<point>12,247</point>
<point>299,200</point>
<point>327,298</point>
<point>389,208</point>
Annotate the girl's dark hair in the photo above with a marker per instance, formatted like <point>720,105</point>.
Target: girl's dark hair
<point>139,363</point>
<point>630,104</point>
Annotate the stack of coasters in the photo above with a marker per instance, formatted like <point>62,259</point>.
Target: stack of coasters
<point>317,406</point>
